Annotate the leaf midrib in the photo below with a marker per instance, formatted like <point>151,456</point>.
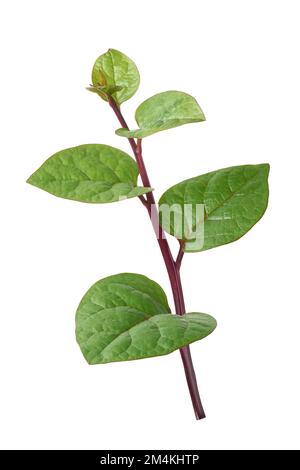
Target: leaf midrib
<point>126,332</point>
<point>206,217</point>
<point>87,178</point>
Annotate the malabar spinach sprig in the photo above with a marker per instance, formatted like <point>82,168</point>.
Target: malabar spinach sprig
<point>127,316</point>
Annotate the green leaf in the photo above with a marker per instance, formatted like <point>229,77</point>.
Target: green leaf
<point>104,91</point>
<point>118,74</point>
<point>164,111</point>
<point>89,173</point>
<point>126,317</point>
<point>233,200</point>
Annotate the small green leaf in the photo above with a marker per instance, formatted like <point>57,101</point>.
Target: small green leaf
<point>89,173</point>
<point>126,317</point>
<point>118,74</point>
<point>164,111</point>
<point>104,91</point>
<point>233,200</point>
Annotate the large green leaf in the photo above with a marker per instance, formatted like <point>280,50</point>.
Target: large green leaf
<point>233,199</point>
<point>89,173</point>
<point>164,111</point>
<point>116,75</point>
<point>126,317</point>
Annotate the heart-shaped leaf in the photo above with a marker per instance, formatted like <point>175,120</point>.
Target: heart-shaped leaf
<point>164,111</point>
<point>89,173</point>
<point>126,317</point>
<point>233,200</point>
<point>114,74</point>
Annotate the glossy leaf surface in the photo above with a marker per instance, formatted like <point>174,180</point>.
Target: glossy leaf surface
<point>164,111</point>
<point>234,199</point>
<point>89,173</point>
<point>115,74</point>
<point>126,316</point>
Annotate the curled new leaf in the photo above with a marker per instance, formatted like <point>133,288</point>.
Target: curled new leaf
<point>89,173</point>
<point>114,74</point>
<point>126,316</point>
<point>164,111</point>
<point>216,208</point>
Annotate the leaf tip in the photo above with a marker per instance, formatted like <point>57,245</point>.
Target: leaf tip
<point>30,180</point>
<point>265,168</point>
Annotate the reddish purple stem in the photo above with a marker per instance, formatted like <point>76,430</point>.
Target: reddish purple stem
<point>173,267</point>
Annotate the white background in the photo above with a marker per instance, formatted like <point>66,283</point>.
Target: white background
<point>241,61</point>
